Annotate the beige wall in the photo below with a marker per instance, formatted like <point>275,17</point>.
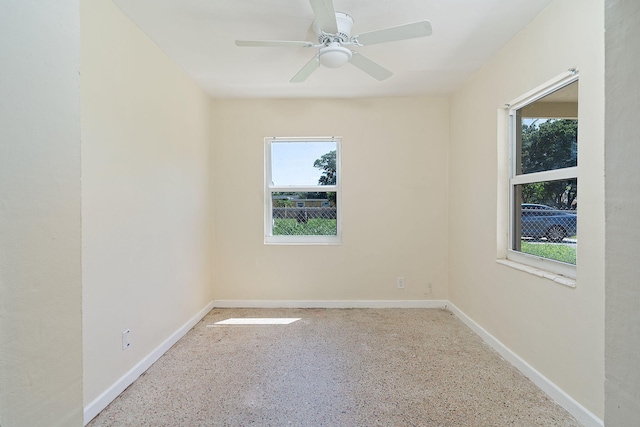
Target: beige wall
<point>556,329</point>
<point>394,162</point>
<point>622,387</point>
<point>145,195</point>
<point>40,230</point>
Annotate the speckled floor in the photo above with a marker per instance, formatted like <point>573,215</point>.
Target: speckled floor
<point>334,367</point>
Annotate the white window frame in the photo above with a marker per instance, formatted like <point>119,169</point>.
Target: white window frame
<point>556,267</point>
<point>269,238</point>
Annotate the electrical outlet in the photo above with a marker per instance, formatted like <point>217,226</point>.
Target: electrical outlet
<point>125,339</point>
<point>400,282</point>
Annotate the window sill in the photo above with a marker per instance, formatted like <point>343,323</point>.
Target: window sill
<point>303,240</point>
<point>563,280</point>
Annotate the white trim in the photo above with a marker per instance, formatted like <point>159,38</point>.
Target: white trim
<point>558,278</point>
<point>305,188</point>
<point>269,238</point>
<point>543,267</point>
<point>303,138</point>
<point>102,401</point>
<point>303,240</point>
<point>582,414</point>
<point>544,89</point>
<point>549,175</point>
<point>540,266</point>
<point>330,303</point>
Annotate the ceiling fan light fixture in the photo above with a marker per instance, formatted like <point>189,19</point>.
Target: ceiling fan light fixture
<point>334,56</point>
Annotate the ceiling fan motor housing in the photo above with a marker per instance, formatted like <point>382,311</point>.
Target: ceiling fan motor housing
<point>344,23</point>
<point>333,55</point>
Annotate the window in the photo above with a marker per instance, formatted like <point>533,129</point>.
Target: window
<point>544,177</point>
<point>302,190</point>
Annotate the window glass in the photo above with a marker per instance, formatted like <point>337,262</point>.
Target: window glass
<point>548,144</point>
<point>548,220</point>
<point>297,163</point>
<point>304,214</point>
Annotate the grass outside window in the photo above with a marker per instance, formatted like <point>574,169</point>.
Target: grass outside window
<point>557,252</point>
<point>313,227</point>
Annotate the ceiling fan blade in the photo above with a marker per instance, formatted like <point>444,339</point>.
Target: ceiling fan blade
<point>306,71</point>
<point>391,34</point>
<point>325,15</point>
<point>368,66</point>
<point>273,43</point>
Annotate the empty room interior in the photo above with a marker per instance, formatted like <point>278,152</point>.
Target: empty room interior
<point>139,191</point>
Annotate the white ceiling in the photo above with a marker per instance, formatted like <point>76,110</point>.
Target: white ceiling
<point>199,36</point>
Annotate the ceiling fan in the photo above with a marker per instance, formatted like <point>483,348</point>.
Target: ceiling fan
<point>334,33</point>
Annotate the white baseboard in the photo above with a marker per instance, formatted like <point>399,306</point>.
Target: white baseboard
<point>102,401</point>
<point>582,414</point>
<point>330,303</point>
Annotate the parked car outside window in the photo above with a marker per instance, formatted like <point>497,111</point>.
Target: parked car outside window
<point>541,221</point>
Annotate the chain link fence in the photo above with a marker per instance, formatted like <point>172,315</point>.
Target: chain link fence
<point>305,221</point>
<point>547,232</point>
<point>546,218</point>
<point>545,222</point>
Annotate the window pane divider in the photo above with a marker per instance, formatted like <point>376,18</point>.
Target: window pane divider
<point>304,189</point>
<point>551,175</point>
